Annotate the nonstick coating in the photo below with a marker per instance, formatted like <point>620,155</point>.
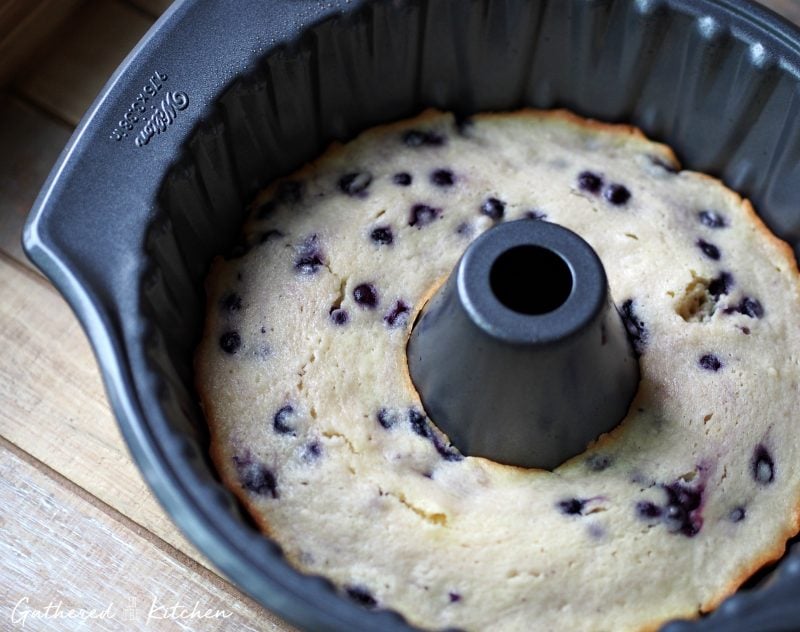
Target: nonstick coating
<point>221,97</point>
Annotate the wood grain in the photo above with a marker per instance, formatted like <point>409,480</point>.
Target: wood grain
<point>789,9</point>
<point>26,25</point>
<point>92,43</point>
<point>60,550</point>
<point>153,7</point>
<point>54,407</point>
<point>31,142</point>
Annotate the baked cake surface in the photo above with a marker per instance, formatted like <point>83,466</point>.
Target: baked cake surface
<point>317,428</point>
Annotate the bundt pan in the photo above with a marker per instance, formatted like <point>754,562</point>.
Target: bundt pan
<point>221,97</point>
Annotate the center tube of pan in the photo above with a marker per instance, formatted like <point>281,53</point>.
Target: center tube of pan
<point>530,280</point>
<point>521,356</point>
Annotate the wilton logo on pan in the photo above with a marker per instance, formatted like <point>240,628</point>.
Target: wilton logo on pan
<point>163,117</point>
<point>154,108</point>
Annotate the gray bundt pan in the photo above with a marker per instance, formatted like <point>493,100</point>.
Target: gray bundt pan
<point>220,97</point>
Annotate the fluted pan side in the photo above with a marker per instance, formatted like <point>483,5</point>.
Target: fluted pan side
<point>698,76</point>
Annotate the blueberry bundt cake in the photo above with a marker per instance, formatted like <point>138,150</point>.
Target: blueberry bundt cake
<point>317,428</point>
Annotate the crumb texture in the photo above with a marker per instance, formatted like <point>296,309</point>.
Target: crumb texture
<point>317,429</point>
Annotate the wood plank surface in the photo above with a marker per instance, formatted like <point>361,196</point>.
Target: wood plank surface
<point>54,406</point>
<point>153,7</point>
<point>31,142</point>
<point>91,45</point>
<point>25,25</point>
<point>64,556</point>
<point>789,9</point>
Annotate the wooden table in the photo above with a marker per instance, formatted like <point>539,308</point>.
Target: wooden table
<point>79,529</point>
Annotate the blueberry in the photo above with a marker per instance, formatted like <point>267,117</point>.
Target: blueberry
<point>420,138</point>
<point>598,462</point>
<point>446,450</point>
<point>647,510</point>
<point>737,514</point>
<point>721,285</point>
<point>709,250</point>
<point>666,166</point>
<point>681,512</point>
<point>711,219</point>
<point>686,497</point>
<point>675,517</point>
<point>762,467</point>
<point>361,596</point>
<point>691,528</point>
<point>617,194</point>
<point>494,208</point>
<point>339,316</point>
<point>596,531</point>
<point>534,214</point>
<point>422,215</point>
<point>312,451</point>
<point>419,423</point>
<point>398,315</point>
<point>443,178</point>
<point>751,307</point>
<point>261,480</point>
<point>387,418</point>
<point>382,235</point>
<point>748,306</point>
<point>680,515</point>
<point>402,179</point>
<point>231,303</point>
<point>454,597</point>
<point>366,295</point>
<point>355,184</point>
<point>589,181</point>
<point>308,264</point>
<point>230,342</point>
<point>279,424</point>
<point>309,256</point>
<point>256,477</point>
<point>464,229</point>
<point>571,507</point>
<point>710,362</point>
<point>635,327</point>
